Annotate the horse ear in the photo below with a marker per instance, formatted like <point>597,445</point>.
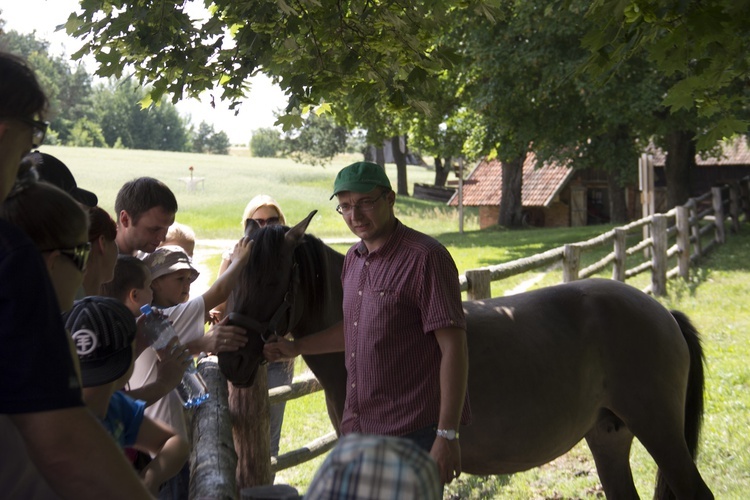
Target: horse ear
<point>295,234</point>
<point>251,226</point>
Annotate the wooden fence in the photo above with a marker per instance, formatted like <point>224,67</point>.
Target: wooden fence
<point>684,234</point>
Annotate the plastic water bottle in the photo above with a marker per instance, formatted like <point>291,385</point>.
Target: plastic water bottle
<point>192,389</point>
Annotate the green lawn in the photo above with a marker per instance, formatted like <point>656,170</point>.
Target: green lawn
<point>717,299</point>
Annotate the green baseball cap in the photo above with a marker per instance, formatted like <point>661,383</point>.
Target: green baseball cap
<point>360,177</point>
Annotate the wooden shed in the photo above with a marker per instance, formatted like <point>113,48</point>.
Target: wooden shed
<point>547,197</point>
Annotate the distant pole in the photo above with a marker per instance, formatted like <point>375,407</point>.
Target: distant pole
<point>461,195</point>
<point>648,200</point>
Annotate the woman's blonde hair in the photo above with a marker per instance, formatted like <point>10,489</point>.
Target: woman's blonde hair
<point>262,200</point>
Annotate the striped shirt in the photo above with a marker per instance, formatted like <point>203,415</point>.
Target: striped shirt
<point>394,300</point>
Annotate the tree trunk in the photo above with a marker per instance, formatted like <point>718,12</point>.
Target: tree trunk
<point>618,209</point>
<point>399,157</point>
<point>511,210</point>
<point>679,166</point>
<point>442,170</point>
<point>380,156</point>
<point>249,412</point>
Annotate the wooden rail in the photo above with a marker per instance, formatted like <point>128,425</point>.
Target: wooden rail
<point>679,233</point>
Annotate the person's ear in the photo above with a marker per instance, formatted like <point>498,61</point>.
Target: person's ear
<point>101,242</point>
<point>124,219</point>
<point>50,259</point>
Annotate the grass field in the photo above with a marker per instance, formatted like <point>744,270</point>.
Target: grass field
<point>717,299</point>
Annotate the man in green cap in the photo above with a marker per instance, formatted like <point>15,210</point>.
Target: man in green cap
<point>403,333</point>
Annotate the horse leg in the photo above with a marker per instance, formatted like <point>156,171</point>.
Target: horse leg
<point>669,450</point>
<point>609,441</point>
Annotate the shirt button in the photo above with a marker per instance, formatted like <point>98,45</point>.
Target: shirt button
<point>382,293</point>
<point>352,354</point>
<point>355,323</point>
<point>367,263</point>
<point>354,385</point>
<point>360,292</point>
<point>354,415</point>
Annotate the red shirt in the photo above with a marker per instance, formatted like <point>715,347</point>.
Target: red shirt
<point>394,300</point>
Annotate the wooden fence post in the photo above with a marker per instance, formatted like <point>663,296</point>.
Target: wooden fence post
<point>745,197</point>
<point>718,206</point>
<point>734,206</point>
<point>659,255</point>
<point>213,460</point>
<point>620,250</point>
<point>695,228</point>
<point>479,284</point>
<point>571,262</point>
<point>249,411</point>
<point>682,218</point>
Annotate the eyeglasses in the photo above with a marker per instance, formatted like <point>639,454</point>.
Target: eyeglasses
<point>365,205</point>
<point>271,221</point>
<point>39,129</point>
<point>79,254</point>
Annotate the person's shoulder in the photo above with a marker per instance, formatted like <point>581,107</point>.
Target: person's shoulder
<point>419,240</point>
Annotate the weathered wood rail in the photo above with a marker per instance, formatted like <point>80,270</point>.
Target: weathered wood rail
<point>685,233</point>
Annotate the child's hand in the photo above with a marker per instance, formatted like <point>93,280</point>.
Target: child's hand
<point>242,250</point>
<point>173,361</point>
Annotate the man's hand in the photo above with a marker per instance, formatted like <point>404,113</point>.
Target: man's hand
<point>281,348</point>
<point>447,454</point>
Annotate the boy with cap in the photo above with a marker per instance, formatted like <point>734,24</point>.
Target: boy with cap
<point>171,275</point>
<point>104,331</point>
<point>131,285</point>
<point>403,321</point>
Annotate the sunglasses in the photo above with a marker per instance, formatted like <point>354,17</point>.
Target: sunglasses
<point>271,221</point>
<point>39,129</point>
<point>79,254</point>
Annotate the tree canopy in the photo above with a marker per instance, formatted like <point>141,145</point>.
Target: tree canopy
<point>701,47</point>
<point>317,51</point>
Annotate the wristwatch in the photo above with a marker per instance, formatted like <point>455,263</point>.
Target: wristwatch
<point>449,434</point>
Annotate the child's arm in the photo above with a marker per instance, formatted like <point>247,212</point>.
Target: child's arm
<point>173,361</point>
<point>170,452</point>
<point>222,287</point>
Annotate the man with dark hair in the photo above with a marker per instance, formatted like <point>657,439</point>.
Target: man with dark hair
<point>145,209</point>
<point>51,442</point>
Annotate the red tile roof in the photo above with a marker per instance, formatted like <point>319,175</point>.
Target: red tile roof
<point>483,187</point>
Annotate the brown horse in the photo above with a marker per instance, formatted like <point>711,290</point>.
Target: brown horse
<point>594,359</point>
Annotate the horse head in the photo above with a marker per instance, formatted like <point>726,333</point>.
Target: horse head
<point>264,297</point>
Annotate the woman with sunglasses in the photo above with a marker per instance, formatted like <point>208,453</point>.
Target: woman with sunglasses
<point>58,226</point>
<point>265,211</point>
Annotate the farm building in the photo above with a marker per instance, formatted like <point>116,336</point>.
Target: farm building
<point>558,196</point>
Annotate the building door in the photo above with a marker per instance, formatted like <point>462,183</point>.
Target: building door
<point>578,209</point>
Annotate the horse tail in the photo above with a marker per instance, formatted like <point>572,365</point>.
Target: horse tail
<point>694,400</point>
